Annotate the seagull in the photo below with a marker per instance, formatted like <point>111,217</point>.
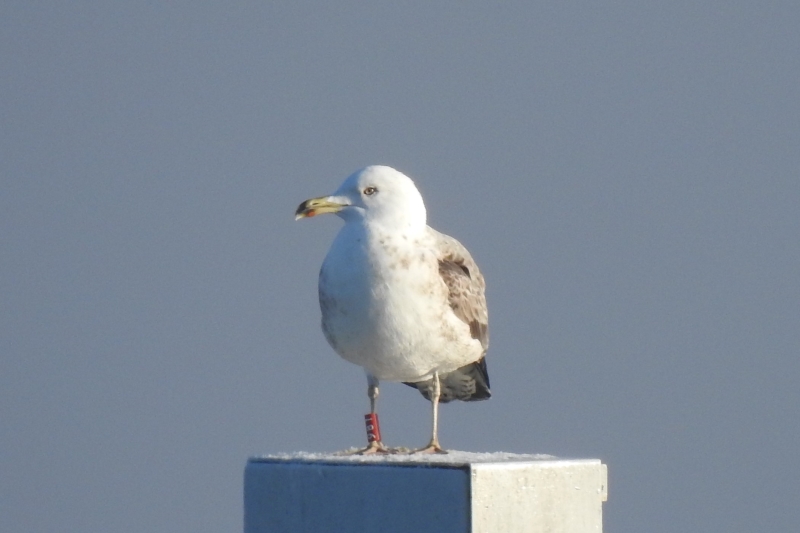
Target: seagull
<point>399,299</point>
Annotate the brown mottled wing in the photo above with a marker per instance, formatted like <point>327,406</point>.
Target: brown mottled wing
<point>466,289</point>
<point>465,285</point>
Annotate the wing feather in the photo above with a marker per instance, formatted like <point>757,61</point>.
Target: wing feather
<point>465,285</point>
<point>466,295</point>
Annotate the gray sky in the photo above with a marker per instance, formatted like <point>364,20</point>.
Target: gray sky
<point>626,175</point>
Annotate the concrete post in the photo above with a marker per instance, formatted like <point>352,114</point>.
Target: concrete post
<point>456,493</point>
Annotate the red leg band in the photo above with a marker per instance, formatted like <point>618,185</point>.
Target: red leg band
<point>373,428</point>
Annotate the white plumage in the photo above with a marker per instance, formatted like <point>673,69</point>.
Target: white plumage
<point>398,298</point>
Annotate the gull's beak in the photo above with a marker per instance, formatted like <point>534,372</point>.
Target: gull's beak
<point>320,206</point>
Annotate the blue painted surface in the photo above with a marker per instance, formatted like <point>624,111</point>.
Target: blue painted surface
<point>291,497</point>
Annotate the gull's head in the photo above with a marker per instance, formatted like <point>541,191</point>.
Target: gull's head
<point>373,194</point>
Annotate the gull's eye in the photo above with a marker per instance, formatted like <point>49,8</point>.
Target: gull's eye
<point>369,191</point>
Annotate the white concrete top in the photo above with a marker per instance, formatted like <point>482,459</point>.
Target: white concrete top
<point>451,458</point>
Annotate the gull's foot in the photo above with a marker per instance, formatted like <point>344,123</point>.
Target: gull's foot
<point>432,447</point>
<point>373,448</point>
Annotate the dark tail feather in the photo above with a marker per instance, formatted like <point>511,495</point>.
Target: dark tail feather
<point>468,384</point>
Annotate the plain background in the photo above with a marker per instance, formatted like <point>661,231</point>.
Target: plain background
<point>625,173</point>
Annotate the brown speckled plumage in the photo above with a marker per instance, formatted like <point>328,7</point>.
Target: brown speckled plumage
<point>466,294</point>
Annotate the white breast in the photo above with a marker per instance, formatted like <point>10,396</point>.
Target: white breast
<point>385,308</point>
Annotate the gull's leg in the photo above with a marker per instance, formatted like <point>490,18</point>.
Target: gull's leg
<point>373,430</point>
<point>372,391</point>
<point>433,445</point>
